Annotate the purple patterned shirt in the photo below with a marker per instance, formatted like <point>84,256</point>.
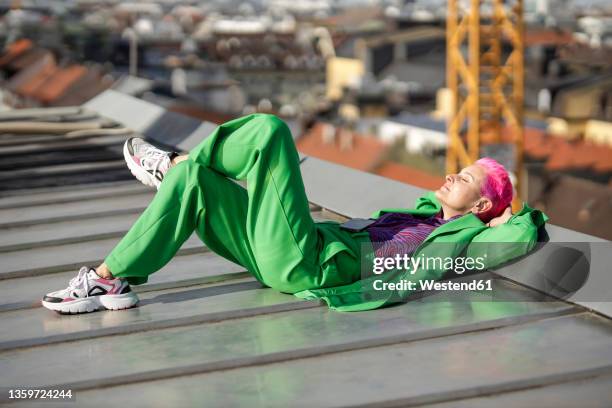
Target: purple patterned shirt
<point>399,233</point>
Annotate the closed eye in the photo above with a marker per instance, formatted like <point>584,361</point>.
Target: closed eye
<point>466,178</point>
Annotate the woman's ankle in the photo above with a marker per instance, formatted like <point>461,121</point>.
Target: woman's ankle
<point>177,159</point>
<point>104,272</point>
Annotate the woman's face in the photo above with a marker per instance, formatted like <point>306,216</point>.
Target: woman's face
<point>461,192</point>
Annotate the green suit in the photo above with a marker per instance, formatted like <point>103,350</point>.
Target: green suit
<point>467,236</point>
<point>267,227</point>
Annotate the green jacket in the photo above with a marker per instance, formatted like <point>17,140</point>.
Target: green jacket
<point>465,236</point>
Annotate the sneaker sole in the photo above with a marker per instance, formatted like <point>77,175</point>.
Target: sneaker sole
<point>93,303</point>
<point>137,171</point>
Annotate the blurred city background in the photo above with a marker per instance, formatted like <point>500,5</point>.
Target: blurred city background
<point>404,89</point>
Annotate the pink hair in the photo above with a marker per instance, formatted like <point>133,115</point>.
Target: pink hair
<point>497,187</point>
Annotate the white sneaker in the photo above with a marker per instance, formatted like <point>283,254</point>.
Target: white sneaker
<point>146,162</point>
<point>88,292</point>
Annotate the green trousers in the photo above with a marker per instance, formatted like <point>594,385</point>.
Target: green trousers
<point>267,227</point>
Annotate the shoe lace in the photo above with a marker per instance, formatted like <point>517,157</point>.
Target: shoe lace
<point>80,280</point>
<point>155,159</point>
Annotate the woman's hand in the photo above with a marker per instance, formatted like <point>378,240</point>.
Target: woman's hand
<point>505,216</point>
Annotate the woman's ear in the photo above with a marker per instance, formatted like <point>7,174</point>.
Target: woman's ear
<point>483,205</point>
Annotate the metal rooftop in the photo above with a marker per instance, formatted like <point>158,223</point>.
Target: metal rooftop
<point>420,120</point>
<point>207,334</point>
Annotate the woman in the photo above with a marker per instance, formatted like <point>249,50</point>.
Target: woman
<point>267,227</point>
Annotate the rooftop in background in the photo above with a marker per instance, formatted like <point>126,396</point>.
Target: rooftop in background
<point>423,121</point>
<point>413,35</point>
<point>35,78</point>
<point>577,81</point>
<point>409,175</point>
<point>14,50</point>
<point>588,209</point>
<point>587,56</point>
<point>355,19</point>
<point>342,146</point>
<point>541,36</point>
<point>560,154</point>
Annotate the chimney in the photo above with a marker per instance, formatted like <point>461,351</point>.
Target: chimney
<point>346,140</point>
<point>328,133</point>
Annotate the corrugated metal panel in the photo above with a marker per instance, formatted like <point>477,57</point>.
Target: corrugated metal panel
<point>74,210</point>
<point>589,392</point>
<point>335,187</point>
<point>134,113</point>
<point>403,374</point>
<point>313,331</point>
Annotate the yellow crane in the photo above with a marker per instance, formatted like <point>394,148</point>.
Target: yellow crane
<point>486,84</point>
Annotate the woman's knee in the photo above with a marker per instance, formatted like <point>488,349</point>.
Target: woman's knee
<point>276,130</point>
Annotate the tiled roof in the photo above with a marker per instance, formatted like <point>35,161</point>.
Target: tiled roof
<point>580,155</point>
<point>588,209</point>
<point>344,147</point>
<point>410,175</point>
<point>28,58</point>
<point>45,73</point>
<point>352,17</point>
<point>202,114</point>
<point>84,88</point>
<point>577,155</point>
<point>560,154</point>
<point>39,79</point>
<point>597,57</point>
<point>206,333</point>
<point>538,145</point>
<point>56,85</point>
<point>14,50</point>
<point>38,69</point>
<point>535,36</point>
